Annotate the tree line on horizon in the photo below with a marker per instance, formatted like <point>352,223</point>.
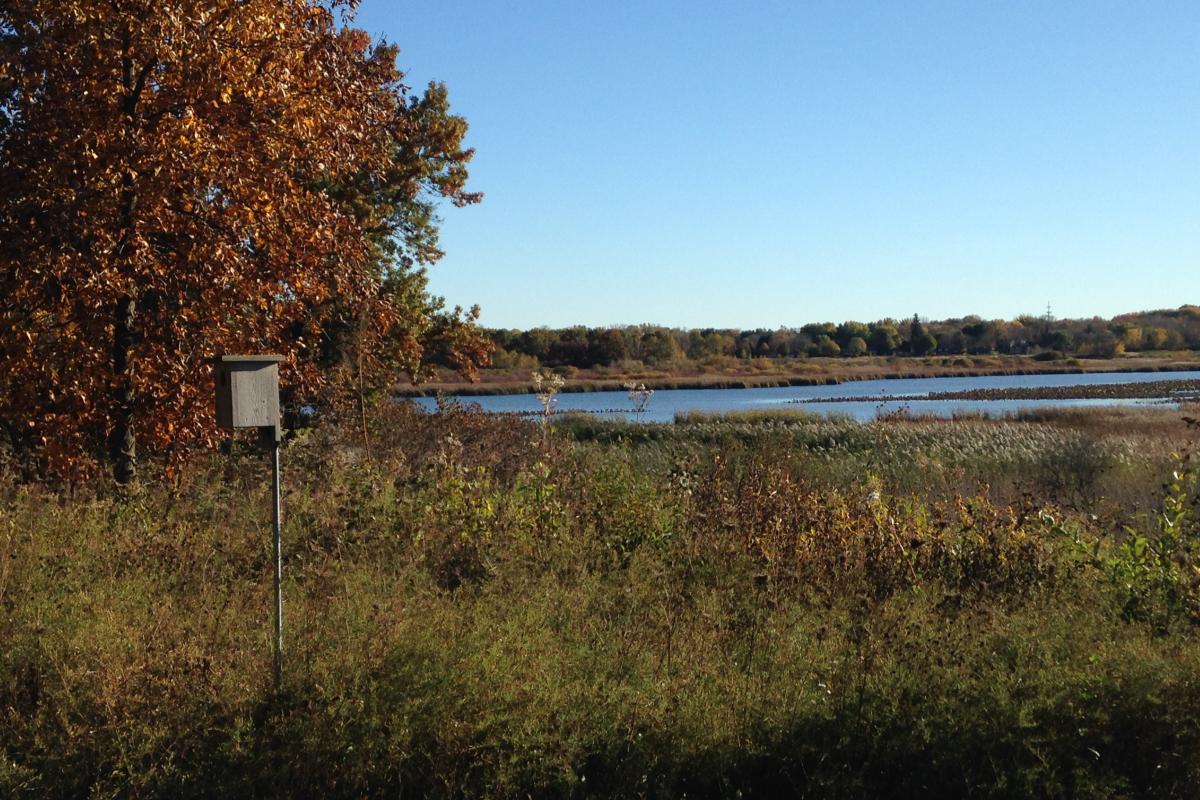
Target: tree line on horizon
<point>1040,336</point>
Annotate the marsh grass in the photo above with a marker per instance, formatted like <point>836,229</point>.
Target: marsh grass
<point>729,373</point>
<point>755,607</point>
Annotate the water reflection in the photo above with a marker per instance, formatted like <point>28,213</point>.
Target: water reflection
<point>667,402</point>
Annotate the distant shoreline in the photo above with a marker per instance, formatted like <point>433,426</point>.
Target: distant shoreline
<point>1184,391</point>
<point>833,375</point>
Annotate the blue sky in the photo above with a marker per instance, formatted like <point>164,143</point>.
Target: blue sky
<point>757,164</point>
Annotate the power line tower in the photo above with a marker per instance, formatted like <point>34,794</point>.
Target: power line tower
<point>1047,322</point>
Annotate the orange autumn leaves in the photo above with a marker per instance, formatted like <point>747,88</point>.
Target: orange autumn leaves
<point>180,179</point>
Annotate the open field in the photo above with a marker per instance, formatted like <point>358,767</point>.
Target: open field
<point>757,605</point>
<point>765,372</point>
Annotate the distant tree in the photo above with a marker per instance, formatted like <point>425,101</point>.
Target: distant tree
<point>975,332</point>
<point>815,330</point>
<point>569,347</point>
<point>681,341</point>
<point>512,360</point>
<point>828,347</point>
<point>999,335</point>
<point>710,343</point>
<point>751,344</point>
<point>536,342</point>
<point>1128,334</point>
<point>780,342</point>
<point>951,340</point>
<point>884,339</point>
<point>504,338</point>
<point>849,330</point>
<point>924,344</point>
<point>920,341</point>
<point>1155,338</point>
<point>857,346</point>
<point>974,327</point>
<point>983,336</point>
<point>915,328</point>
<point>1060,340</point>
<point>1103,344</point>
<point>658,346</point>
<point>802,346</point>
<point>606,346</point>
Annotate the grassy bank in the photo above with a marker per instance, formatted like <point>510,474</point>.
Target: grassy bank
<point>774,372</point>
<point>755,605</point>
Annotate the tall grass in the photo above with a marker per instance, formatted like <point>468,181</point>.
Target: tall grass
<point>718,609</point>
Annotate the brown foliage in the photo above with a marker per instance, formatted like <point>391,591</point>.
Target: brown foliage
<point>861,542</point>
<point>165,195</point>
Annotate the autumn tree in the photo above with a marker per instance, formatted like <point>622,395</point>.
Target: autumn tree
<point>885,339</point>
<point>184,178</point>
<point>710,343</point>
<point>850,330</point>
<point>827,347</point>
<point>606,346</point>
<point>857,346</point>
<point>658,346</point>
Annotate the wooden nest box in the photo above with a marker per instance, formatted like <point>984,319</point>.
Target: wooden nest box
<point>248,391</point>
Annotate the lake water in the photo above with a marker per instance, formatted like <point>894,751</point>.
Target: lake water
<point>667,402</point>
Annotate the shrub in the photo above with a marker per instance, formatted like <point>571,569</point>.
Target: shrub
<point>756,604</point>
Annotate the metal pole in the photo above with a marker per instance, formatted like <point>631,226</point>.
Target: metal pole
<point>278,513</point>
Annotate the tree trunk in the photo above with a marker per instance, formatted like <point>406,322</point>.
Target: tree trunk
<point>124,444</point>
